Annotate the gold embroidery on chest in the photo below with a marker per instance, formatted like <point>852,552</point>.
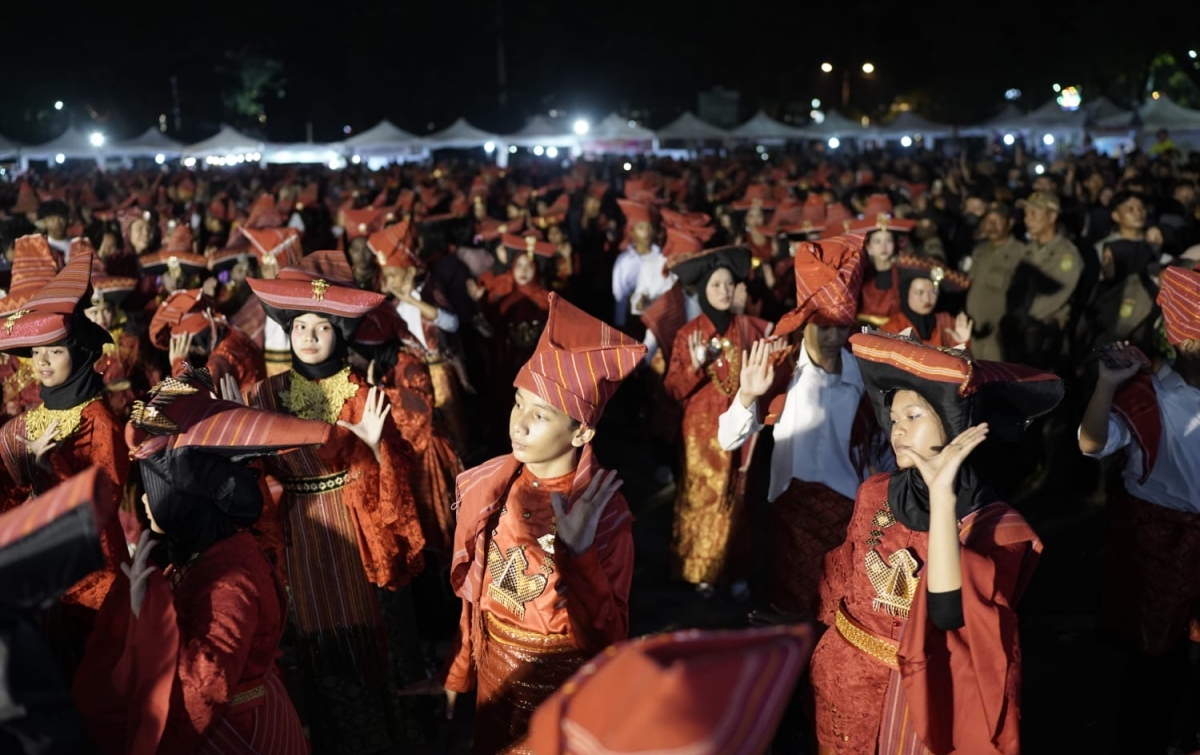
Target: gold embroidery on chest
<point>895,581</point>
<point>511,587</point>
<point>547,543</point>
<point>320,400</point>
<point>38,420</point>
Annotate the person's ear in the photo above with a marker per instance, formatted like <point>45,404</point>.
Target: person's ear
<point>583,436</point>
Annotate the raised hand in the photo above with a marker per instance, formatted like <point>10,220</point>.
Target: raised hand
<point>139,573</point>
<point>181,346</point>
<point>577,529</point>
<point>369,429</point>
<point>960,334</point>
<point>42,445</point>
<point>758,371</point>
<point>1119,362</point>
<point>941,470</point>
<point>697,349</point>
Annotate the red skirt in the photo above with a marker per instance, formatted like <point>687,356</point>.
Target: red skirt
<point>804,523</point>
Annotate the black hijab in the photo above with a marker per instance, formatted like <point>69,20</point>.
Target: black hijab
<point>199,498</point>
<point>85,345</point>
<point>328,368</point>
<point>696,273</point>
<point>924,325</point>
<point>720,318</point>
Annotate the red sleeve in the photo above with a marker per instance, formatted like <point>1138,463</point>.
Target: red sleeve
<point>460,668</point>
<point>682,380</point>
<point>597,591</point>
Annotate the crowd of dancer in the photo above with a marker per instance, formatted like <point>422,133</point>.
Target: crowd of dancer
<point>325,441</point>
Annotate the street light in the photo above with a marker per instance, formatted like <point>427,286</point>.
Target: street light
<point>1048,139</point>
<point>538,150</point>
<point>97,139</point>
<point>1009,139</point>
<point>834,142</point>
<point>60,158</point>
<point>868,68</point>
<point>489,147</point>
<point>906,141</point>
<point>552,152</point>
<point>160,158</point>
<point>827,67</point>
<point>58,104</point>
<point>582,127</point>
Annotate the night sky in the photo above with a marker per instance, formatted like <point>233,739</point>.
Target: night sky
<point>417,63</point>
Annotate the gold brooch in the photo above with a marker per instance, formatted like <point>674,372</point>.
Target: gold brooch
<point>11,320</point>
<point>319,287</point>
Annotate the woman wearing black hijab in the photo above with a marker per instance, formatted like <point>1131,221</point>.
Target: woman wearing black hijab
<point>921,284</point>
<point>73,428</point>
<point>709,543</point>
<point>183,659</point>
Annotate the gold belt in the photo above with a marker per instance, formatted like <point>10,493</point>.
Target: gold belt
<point>271,355</point>
<point>882,650</point>
<point>317,485</point>
<point>533,642</point>
<point>249,695</point>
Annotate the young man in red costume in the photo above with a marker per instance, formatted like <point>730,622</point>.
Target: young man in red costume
<point>543,550</point>
<point>1152,583</point>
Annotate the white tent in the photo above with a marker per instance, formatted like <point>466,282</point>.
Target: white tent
<point>303,152</point>
<point>8,148</point>
<point>73,143</point>
<point>384,139</point>
<point>1156,114</point>
<point>460,135</point>
<point>835,124</point>
<point>543,132</point>
<point>688,127</point>
<point>1008,119</point>
<point>150,144</point>
<point>225,142</point>
<point>1101,108</point>
<point>910,124</point>
<point>616,134</point>
<point>1050,118</point>
<point>762,127</point>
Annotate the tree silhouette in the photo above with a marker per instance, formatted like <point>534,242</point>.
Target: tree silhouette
<point>256,79</point>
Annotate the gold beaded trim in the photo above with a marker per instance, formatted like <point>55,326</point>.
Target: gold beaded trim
<point>320,399</point>
<point>38,419</point>
<point>879,649</point>
<point>311,485</point>
<point>253,693</point>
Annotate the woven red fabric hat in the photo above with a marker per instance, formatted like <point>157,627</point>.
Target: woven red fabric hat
<point>180,239</point>
<point>838,220</point>
<point>579,362</point>
<point>362,222</point>
<point>184,412</point>
<point>877,216</point>
<point>177,262</point>
<point>183,312</point>
<point>829,277</point>
<point>320,283</point>
<point>33,267</point>
<point>27,200</point>
<point>279,244</point>
<point>528,244</point>
<point>694,692</point>
<point>50,315</point>
<point>263,214</point>
<point>490,230</point>
<point>963,391</point>
<point>634,212</point>
<point>944,278</point>
<point>1179,297</point>
<point>680,246</point>
<point>393,246</point>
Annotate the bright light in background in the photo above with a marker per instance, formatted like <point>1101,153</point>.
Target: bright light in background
<point>1039,169</point>
<point>1070,98</point>
<point>58,104</point>
<point>582,126</point>
<point>827,67</point>
<point>1048,139</point>
<point>1192,54</point>
<point>868,68</point>
<point>1154,95</point>
<point>906,141</point>
<point>627,167</point>
<point>345,129</point>
<point>553,113</point>
<point>834,142</point>
<point>817,116</point>
<point>356,159</point>
<point>60,158</point>
<point>865,121</point>
<point>1012,94</point>
<point>760,149</point>
<point>160,158</point>
<point>552,152</point>
<point>632,123</point>
<point>97,139</point>
<point>765,157</point>
<point>539,150</point>
<point>189,162</point>
<point>1009,139</point>
<point>489,147</point>
<point>816,103</point>
<point>1057,88</point>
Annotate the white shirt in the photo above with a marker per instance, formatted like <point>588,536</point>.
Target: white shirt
<point>63,246</point>
<point>812,434</point>
<point>446,321</point>
<point>626,269</point>
<point>275,338</point>
<point>1172,482</point>
<point>651,283</point>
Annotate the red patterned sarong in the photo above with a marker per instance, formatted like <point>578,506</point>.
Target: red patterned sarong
<point>804,523</point>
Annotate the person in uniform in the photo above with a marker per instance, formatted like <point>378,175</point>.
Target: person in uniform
<point>992,266</point>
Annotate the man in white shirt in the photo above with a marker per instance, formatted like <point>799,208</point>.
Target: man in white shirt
<point>627,269</point>
<point>826,439</point>
<point>1151,587</point>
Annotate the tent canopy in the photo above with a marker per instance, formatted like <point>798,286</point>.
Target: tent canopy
<point>227,141</point>
<point>1156,114</point>
<point>71,143</point>
<point>383,138</point>
<point>541,131</point>
<point>616,128</point>
<point>151,143</point>
<point>1051,117</point>
<point>690,128</point>
<point>1008,119</point>
<point>835,124</point>
<point>460,135</point>
<point>763,127</point>
<point>909,123</point>
<point>8,147</point>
